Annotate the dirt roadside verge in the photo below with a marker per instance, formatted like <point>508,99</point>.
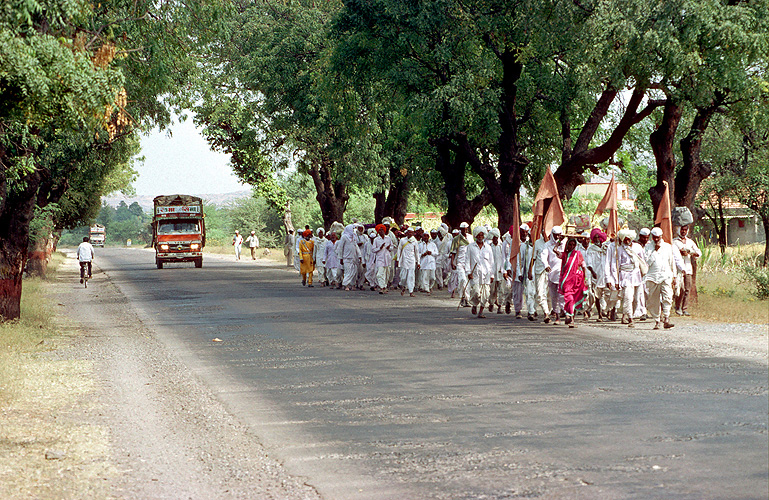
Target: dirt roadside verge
<point>131,421</point>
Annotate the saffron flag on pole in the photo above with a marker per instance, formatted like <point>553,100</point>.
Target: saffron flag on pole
<point>548,211</point>
<point>515,235</point>
<point>663,217</point>
<point>609,204</point>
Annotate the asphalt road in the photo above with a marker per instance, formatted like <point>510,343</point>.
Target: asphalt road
<point>378,397</point>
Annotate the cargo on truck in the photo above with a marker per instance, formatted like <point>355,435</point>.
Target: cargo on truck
<point>178,229</point>
<point>97,235</point>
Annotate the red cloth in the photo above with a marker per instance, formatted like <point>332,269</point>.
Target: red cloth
<point>306,233</point>
<point>572,285</point>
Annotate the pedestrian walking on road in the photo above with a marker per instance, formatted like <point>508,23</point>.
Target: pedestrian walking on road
<point>288,247</point>
<point>237,242</point>
<point>253,243</point>
<point>306,261</point>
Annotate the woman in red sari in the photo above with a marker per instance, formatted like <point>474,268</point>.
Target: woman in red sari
<point>572,284</point>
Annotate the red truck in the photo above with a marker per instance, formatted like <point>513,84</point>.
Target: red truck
<point>178,229</point>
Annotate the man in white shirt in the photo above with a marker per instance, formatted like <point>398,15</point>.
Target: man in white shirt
<point>552,258</point>
<point>458,258</point>
<point>639,298</point>
<point>623,272</point>
<point>85,255</point>
<point>289,242</point>
<point>688,249</point>
<point>595,258</point>
<point>499,289</point>
<point>660,278</point>
<point>319,255</point>
<point>538,274</point>
<point>253,243</point>
<point>408,260</point>
<point>237,242</point>
<point>428,251</point>
<point>480,271</point>
<point>381,248</point>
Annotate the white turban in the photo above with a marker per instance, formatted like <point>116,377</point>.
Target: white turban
<point>464,224</point>
<point>625,233</point>
<point>478,230</point>
<point>495,232</point>
<point>656,232</point>
<point>319,231</point>
<point>557,230</point>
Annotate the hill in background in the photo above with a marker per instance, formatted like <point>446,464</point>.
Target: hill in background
<point>146,201</point>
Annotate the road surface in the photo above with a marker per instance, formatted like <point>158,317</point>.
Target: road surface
<point>379,397</point>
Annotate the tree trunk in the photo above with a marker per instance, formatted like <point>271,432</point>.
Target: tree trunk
<point>331,195</point>
<point>662,141</point>
<point>460,209</point>
<point>694,171</point>
<point>18,209</point>
<point>379,206</point>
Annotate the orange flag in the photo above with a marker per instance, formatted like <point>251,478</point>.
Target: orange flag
<point>548,211</point>
<point>663,217</point>
<point>609,203</point>
<point>515,234</point>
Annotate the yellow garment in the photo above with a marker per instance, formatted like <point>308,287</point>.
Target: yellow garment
<point>307,264</point>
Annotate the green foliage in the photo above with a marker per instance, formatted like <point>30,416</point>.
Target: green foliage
<point>757,277</point>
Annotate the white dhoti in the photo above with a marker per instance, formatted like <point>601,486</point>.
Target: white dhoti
<point>407,278</point>
<point>660,297</point>
<point>479,293</point>
<point>350,272</point>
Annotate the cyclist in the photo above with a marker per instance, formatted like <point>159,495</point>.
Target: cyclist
<point>85,257</point>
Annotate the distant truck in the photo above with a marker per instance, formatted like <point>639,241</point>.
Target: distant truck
<point>178,229</point>
<point>98,235</point>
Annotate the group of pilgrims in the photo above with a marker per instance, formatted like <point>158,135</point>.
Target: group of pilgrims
<point>554,277</point>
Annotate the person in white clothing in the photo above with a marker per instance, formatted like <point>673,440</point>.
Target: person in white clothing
<point>408,260</point>
<point>319,255</point>
<point>459,262</point>
<point>381,248</point>
<point>688,249</point>
<point>517,278</point>
<point>237,242</point>
<point>85,255</point>
<point>253,243</point>
<point>639,297</point>
<point>370,259</point>
<point>331,261</point>
<point>498,291</point>
<point>480,273</point>
<point>538,272</point>
<point>623,272</point>
<point>660,279</point>
<point>552,257</point>
<point>428,252</point>
<point>595,258</point>
<point>349,256</point>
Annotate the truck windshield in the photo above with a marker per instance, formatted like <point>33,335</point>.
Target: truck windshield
<point>177,227</point>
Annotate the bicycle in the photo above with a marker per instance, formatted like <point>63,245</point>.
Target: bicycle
<point>85,273</point>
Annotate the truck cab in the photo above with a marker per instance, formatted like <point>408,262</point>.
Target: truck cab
<point>178,230</point>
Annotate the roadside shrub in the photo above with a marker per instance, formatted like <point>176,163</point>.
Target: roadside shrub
<point>758,277</point>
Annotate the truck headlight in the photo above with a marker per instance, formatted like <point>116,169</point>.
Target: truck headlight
<point>164,248</point>
<point>195,246</point>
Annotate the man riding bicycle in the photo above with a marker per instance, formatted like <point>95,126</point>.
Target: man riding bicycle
<point>85,257</point>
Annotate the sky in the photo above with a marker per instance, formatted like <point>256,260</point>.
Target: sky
<point>183,163</point>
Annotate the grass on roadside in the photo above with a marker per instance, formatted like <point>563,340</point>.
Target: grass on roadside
<point>41,397</point>
<point>723,295</point>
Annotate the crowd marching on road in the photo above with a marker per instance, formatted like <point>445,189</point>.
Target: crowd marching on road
<point>632,277</point>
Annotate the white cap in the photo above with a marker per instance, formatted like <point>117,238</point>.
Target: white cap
<point>253,232</point>
<point>525,227</point>
<point>557,230</point>
<point>455,231</point>
<point>586,234</point>
<point>434,231</point>
<point>464,224</point>
<point>236,231</point>
<point>656,232</point>
<point>644,232</point>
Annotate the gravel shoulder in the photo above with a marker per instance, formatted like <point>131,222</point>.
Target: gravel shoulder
<point>167,435</point>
